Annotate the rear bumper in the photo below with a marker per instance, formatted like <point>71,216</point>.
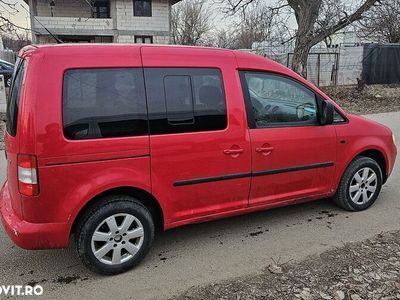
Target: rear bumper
<point>31,235</point>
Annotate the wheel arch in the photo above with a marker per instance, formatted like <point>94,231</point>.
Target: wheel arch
<point>144,197</point>
<point>379,157</point>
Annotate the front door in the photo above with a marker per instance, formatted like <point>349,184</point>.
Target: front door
<point>292,155</point>
<point>200,149</point>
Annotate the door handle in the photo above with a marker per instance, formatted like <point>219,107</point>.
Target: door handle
<point>264,149</point>
<point>233,151</point>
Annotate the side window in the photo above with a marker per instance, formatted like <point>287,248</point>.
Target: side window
<point>14,97</point>
<point>104,103</point>
<point>279,101</point>
<point>185,100</point>
<point>338,118</point>
<point>179,99</point>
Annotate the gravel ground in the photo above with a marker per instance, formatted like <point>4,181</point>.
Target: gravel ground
<point>362,270</point>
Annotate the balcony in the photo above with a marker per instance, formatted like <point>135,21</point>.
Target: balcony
<point>74,25</point>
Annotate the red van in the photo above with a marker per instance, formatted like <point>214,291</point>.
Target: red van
<point>110,142</point>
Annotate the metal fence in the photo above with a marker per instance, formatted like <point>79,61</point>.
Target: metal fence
<point>322,67</point>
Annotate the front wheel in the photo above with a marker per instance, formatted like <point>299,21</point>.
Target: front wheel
<point>360,185</point>
<point>115,235</point>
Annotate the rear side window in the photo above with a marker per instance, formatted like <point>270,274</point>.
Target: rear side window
<point>104,103</point>
<point>185,100</point>
<point>13,99</point>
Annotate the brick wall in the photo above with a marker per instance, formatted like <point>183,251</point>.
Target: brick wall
<point>64,8</point>
<point>74,18</point>
<point>74,23</point>
<point>159,21</point>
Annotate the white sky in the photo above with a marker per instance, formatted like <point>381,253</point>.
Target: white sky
<point>22,17</point>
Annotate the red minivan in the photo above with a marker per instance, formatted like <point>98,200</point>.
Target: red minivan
<point>110,142</point>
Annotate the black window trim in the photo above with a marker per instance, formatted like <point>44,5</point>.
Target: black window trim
<point>249,106</point>
<point>142,15</point>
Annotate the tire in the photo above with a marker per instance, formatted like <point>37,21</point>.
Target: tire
<point>116,224</point>
<point>363,192</point>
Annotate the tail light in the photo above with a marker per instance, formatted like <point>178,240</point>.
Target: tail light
<point>28,184</point>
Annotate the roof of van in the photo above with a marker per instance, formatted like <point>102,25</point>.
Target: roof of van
<point>54,48</point>
<point>245,60</point>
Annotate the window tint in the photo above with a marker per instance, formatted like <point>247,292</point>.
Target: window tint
<point>142,8</point>
<point>179,99</point>
<point>279,101</point>
<point>104,103</point>
<point>185,100</point>
<point>13,99</point>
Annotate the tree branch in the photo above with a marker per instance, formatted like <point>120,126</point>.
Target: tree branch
<point>342,23</point>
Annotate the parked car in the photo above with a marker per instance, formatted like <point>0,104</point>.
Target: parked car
<point>110,142</point>
<point>6,69</point>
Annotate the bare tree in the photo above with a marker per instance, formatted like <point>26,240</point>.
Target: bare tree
<point>316,20</point>
<point>221,38</point>
<point>257,23</point>
<point>382,22</point>
<point>190,22</point>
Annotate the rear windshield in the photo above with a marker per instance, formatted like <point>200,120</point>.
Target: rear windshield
<point>13,99</point>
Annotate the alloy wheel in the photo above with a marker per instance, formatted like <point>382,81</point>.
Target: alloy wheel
<point>363,186</point>
<point>117,239</point>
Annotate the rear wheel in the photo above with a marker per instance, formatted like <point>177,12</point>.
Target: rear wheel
<point>360,185</point>
<point>115,235</point>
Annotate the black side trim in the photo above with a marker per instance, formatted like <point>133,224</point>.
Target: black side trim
<point>292,169</point>
<point>94,160</point>
<point>260,173</point>
<point>211,179</point>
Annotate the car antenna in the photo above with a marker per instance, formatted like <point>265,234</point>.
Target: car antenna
<point>45,28</point>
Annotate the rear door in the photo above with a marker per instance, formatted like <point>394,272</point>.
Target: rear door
<point>293,155</point>
<point>200,149</point>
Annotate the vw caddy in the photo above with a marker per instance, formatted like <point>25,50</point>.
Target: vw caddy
<point>111,142</point>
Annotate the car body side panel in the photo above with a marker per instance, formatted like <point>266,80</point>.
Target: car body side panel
<point>194,155</point>
<point>353,139</point>
<point>71,172</point>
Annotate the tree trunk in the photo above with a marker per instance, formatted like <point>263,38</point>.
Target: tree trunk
<point>300,57</point>
<point>306,13</point>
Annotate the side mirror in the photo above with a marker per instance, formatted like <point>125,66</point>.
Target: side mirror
<point>327,113</point>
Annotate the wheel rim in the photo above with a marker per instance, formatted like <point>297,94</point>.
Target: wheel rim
<point>117,239</point>
<point>363,186</point>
